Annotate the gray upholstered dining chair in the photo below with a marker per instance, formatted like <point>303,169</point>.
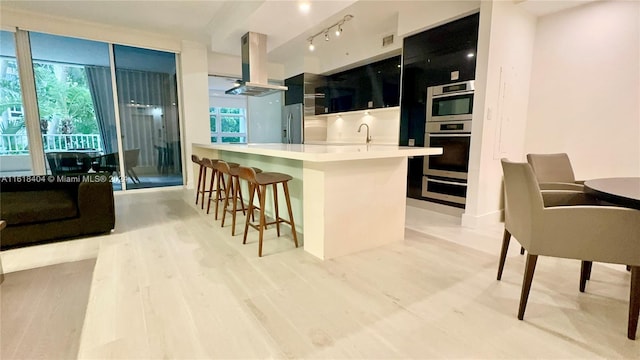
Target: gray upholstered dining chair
<point>588,233</point>
<point>554,172</point>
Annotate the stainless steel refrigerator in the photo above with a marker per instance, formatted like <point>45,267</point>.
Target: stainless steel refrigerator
<point>293,124</point>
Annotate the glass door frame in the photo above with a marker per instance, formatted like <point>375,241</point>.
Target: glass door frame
<point>30,101</point>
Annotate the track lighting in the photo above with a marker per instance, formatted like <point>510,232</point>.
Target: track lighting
<point>325,31</point>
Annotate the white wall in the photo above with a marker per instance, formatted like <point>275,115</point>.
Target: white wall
<point>87,30</point>
<point>384,126</point>
<point>585,88</point>
<point>194,91</point>
<point>505,50</point>
<point>417,16</point>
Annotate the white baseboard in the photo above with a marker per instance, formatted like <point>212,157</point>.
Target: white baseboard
<point>428,205</point>
<point>492,218</point>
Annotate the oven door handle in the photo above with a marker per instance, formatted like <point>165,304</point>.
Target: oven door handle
<point>447,135</point>
<point>446,182</point>
<point>452,94</point>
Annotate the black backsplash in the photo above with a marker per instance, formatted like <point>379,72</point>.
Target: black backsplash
<point>428,59</point>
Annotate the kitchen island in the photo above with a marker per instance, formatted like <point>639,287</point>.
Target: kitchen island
<point>346,198</point>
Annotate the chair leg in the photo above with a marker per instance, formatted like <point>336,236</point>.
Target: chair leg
<point>293,224</point>
<point>240,196</point>
<point>199,184</point>
<point>204,184</point>
<point>503,253</point>
<point>236,191</point>
<point>263,193</point>
<point>213,178</point>
<point>275,204</point>
<point>228,191</point>
<point>634,302</point>
<point>252,190</point>
<point>133,175</point>
<point>530,268</point>
<point>585,274</point>
<point>220,187</point>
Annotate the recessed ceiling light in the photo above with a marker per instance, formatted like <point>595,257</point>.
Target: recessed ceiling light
<point>304,7</point>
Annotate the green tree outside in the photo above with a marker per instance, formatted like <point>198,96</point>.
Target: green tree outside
<point>64,98</point>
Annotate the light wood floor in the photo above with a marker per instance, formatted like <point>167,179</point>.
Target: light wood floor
<point>170,283</point>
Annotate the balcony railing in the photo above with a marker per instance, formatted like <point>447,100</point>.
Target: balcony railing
<point>17,144</point>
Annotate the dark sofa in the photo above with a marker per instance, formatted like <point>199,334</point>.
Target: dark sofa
<point>40,209</point>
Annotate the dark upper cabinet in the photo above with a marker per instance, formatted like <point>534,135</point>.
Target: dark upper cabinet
<point>374,85</point>
<point>295,93</point>
<point>308,89</point>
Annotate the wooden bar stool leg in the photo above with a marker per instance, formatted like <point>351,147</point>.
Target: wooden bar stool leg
<point>236,190</point>
<point>252,190</point>
<point>263,193</point>
<point>204,185</point>
<point>199,183</point>
<point>244,210</point>
<point>257,189</point>
<point>229,191</point>
<point>275,204</point>
<point>213,177</point>
<point>288,199</point>
<point>220,186</point>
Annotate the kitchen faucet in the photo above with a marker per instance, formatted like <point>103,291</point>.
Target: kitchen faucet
<point>360,128</point>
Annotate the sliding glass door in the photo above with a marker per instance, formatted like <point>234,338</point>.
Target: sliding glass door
<point>75,102</point>
<point>73,122</point>
<point>148,109</point>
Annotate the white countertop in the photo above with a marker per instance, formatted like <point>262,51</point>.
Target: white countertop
<point>324,153</point>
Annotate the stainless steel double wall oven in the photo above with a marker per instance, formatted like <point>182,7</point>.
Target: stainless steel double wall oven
<point>448,125</point>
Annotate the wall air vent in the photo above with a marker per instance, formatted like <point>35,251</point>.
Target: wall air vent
<point>387,40</point>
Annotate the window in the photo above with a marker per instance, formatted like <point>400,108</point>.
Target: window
<point>228,125</point>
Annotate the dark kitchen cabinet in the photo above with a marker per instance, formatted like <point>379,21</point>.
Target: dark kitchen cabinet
<point>375,85</point>
<point>308,89</point>
<point>428,59</point>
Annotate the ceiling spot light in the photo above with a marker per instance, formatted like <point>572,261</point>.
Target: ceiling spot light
<point>470,55</point>
<point>325,31</point>
<point>304,7</point>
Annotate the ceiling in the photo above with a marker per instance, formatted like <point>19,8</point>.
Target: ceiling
<point>220,24</point>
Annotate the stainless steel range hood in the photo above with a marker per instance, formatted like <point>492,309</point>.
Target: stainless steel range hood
<point>254,68</point>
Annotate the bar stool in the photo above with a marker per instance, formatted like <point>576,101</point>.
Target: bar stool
<point>210,164</point>
<point>223,168</point>
<point>235,191</point>
<point>201,171</point>
<point>258,183</point>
